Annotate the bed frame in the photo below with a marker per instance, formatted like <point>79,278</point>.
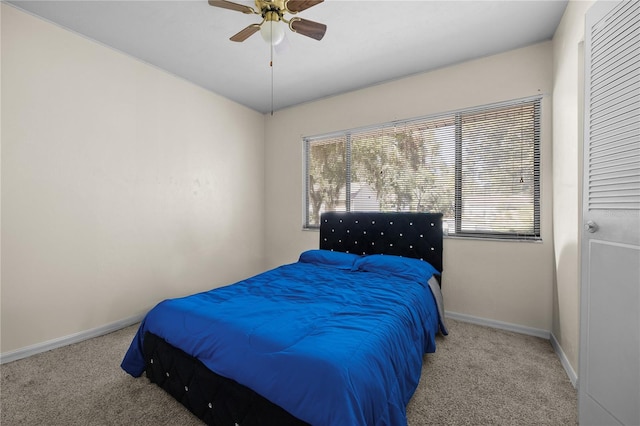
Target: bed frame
<point>220,401</point>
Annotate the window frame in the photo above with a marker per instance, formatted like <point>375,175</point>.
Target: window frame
<point>458,232</point>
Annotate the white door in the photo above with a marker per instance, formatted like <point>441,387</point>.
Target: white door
<point>609,365</point>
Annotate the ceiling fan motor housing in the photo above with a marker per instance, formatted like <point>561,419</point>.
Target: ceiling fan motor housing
<point>271,8</point>
<point>272,12</point>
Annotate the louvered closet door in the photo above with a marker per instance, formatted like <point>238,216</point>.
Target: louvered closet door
<point>609,371</point>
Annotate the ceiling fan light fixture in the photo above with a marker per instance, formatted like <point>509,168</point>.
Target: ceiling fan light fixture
<point>273,31</point>
<point>274,24</point>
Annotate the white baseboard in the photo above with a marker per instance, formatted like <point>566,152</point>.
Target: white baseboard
<point>68,340</point>
<point>499,324</point>
<point>565,361</point>
<point>522,330</point>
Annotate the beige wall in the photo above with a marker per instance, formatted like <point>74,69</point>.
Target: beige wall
<point>502,281</point>
<point>567,176</point>
<point>121,185</point>
<point>1,9</point>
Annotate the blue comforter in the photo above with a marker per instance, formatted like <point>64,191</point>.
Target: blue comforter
<point>331,339</point>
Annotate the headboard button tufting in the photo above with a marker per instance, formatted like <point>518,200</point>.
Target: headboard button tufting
<point>399,233</point>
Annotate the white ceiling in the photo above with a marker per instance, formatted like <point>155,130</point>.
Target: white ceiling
<point>366,43</point>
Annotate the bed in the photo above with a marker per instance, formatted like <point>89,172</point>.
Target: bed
<point>334,338</point>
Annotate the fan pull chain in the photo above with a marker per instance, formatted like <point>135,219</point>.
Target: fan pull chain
<point>271,65</point>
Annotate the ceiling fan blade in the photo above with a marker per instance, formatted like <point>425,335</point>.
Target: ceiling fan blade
<point>246,33</point>
<point>308,28</point>
<point>232,6</point>
<point>295,6</point>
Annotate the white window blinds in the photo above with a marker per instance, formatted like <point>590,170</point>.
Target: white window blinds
<point>500,172</point>
<point>480,168</point>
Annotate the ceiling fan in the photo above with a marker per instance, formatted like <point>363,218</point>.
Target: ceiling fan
<point>273,12</point>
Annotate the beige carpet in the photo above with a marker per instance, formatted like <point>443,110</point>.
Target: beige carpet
<point>478,376</point>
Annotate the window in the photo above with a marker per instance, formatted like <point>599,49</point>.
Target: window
<point>479,167</point>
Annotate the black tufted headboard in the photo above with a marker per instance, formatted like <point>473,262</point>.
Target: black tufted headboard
<point>417,235</point>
